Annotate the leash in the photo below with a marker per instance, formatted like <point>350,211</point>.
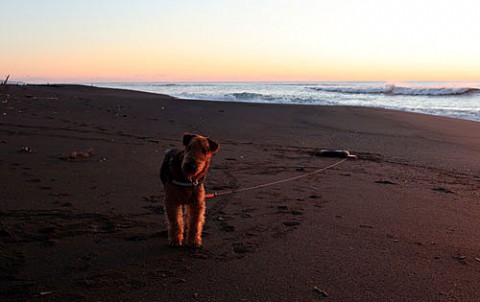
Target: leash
<point>232,191</point>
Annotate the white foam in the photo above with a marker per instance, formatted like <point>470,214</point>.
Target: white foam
<point>398,90</point>
<point>432,91</point>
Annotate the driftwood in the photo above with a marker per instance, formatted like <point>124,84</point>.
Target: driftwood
<point>6,80</point>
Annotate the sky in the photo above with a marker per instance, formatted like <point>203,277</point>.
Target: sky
<point>223,40</point>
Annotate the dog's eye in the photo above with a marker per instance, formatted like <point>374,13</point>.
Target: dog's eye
<point>204,151</point>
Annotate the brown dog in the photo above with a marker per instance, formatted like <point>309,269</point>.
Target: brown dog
<point>183,173</point>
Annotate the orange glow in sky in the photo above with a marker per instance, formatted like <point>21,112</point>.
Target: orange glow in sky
<point>269,40</point>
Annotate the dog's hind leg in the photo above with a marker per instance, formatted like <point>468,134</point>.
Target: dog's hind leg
<point>196,220</point>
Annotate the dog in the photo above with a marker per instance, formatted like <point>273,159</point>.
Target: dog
<point>183,174</point>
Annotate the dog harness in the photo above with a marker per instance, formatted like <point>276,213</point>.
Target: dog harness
<point>171,158</point>
<point>193,184</point>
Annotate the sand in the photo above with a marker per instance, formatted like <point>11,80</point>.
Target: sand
<point>401,223</point>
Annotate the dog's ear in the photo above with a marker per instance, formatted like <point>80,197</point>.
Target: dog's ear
<point>187,137</point>
<point>213,146</point>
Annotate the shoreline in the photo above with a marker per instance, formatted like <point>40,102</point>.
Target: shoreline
<point>399,223</point>
<point>407,97</point>
<point>93,85</point>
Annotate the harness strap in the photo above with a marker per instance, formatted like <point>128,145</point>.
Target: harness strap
<point>192,184</point>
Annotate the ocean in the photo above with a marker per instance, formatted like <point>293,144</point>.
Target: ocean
<point>450,99</point>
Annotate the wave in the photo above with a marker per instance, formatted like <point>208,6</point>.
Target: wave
<point>250,96</point>
<point>165,84</point>
<point>391,89</point>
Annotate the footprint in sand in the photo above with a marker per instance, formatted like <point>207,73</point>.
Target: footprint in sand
<point>296,212</point>
<point>34,180</point>
<point>242,248</point>
<point>228,228</point>
<point>291,223</point>
<point>103,226</point>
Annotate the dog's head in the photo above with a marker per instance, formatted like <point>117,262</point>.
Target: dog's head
<point>198,152</point>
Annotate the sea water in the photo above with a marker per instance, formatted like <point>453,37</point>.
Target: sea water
<point>450,99</point>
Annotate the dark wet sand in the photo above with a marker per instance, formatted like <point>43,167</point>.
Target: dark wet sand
<point>401,223</point>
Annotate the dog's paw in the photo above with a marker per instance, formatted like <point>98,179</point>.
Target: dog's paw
<point>194,248</point>
<point>175,243</point>
<point>196,243</point>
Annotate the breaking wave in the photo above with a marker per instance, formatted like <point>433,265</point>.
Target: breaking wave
<point>250,96</point>
<point>391,89</point>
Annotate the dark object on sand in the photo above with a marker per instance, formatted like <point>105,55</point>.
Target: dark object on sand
<point>335,153</point>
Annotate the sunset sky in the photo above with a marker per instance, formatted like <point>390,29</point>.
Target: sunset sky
<point>221,40</point>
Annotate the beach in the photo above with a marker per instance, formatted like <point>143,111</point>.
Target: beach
<point>82,219</point>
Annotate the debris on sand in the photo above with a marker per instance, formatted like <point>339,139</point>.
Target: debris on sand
<point>335,153</point>
<point>320,292</point>
<point>82,154</point>
<point>385,182</point>
<point>443,190</point>
<point>25,149</point>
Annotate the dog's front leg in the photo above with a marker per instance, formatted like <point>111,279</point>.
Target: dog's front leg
<point>174,214</point>
<point>196,216</point>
